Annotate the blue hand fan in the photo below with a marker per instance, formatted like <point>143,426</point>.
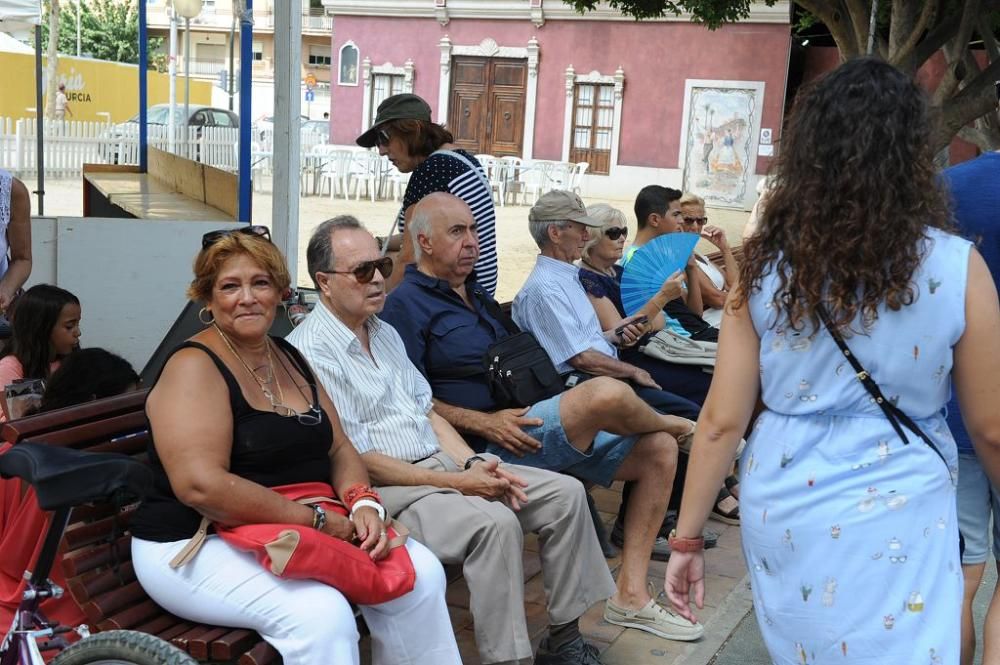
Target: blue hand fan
<point>651,265</point>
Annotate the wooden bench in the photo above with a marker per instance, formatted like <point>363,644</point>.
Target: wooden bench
<point>96,557</point>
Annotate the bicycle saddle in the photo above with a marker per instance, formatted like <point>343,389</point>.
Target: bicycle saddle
<point>64,477</point>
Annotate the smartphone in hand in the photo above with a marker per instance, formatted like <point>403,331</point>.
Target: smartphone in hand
<point>640,321</point>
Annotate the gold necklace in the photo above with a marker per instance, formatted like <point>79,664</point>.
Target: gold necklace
<point>262,383</point>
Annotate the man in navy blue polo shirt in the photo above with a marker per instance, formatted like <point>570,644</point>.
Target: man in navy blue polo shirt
<point>599,431</point>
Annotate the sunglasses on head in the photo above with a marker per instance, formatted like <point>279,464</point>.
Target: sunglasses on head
<point>696,220</point>
<point>365,271</point>
<point>382,137</point>
<point>616,232</point>
<point>213,237</point>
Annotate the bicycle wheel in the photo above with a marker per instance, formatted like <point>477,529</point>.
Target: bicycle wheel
<point>123,647</point>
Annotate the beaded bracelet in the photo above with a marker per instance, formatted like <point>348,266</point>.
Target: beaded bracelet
<point>359,491</point>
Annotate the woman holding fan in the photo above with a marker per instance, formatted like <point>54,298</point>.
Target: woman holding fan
<point>601,278</point>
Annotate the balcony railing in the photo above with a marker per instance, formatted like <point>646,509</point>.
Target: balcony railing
<point>313,20</point>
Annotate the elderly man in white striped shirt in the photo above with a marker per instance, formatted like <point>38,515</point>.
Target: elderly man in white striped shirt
<point>466,508</point>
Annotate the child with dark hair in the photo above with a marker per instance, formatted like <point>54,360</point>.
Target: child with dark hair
<point>86,375</point>
<point>45,328</point>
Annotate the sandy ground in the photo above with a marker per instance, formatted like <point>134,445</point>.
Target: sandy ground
<point>516,249</point>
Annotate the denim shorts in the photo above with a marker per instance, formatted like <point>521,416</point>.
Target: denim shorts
<point>598,465</point>
<point>977,500</point>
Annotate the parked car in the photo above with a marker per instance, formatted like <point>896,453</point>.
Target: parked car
<point>159,114</point>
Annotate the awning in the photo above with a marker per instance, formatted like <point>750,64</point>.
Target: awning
<point>19,15</point>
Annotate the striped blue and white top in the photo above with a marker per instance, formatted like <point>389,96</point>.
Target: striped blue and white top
<point>445,173</point>
<point>383,406</point>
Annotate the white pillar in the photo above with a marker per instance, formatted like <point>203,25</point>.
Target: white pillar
<point>531,102</point>
<point>568,113</point>
<point>172,70</point>
<point>444,85</point>
<point>287,138</point>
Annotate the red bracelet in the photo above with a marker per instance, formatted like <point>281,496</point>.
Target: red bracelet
<point>359,491</point>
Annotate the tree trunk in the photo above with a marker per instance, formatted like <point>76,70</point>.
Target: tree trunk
<point>52,63</point>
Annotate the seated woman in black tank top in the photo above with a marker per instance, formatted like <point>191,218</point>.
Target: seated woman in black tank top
<point>233,413</point>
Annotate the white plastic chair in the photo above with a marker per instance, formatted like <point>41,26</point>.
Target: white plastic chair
<point>560,176</point>
<point>495,170</point>
<point>395,181</point>
<point>511,174</point>
<point>535,180</point>
<point>364,168</point>
<point>576,180</point>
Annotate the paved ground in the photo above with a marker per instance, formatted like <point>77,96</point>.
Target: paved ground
<point>726,604</point>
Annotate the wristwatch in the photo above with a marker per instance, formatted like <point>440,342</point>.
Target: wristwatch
<point>685,544</point>
<point>319,516</point>
<point>472,460</point>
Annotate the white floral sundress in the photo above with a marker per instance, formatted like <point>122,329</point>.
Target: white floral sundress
<point>850,536</point>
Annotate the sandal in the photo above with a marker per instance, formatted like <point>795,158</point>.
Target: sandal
<point>726,508</point>
<point>733,485</point>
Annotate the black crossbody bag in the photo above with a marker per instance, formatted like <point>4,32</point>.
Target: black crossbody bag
<point>896,417</point>
<point>517,369</point>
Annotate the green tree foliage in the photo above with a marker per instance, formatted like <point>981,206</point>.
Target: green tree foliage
<point>109,30</point>
<point>908,33</point>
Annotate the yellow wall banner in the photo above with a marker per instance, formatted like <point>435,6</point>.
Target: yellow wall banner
<point>96,89</point>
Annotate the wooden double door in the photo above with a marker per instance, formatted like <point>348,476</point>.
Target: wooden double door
<point>486,110</point>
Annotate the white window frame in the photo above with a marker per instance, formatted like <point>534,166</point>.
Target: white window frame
<point>254,50</point>
<point>595,77</point>
<point>367,78</point>
<point>340,58</point>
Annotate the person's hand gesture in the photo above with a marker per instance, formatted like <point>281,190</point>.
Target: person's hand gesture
<point>339,526</point>
<point>644,379</point>
<point>371,532</point>
<point>685,574</point>
<point>716,236</point>
<point>674,287</point>
<point>515,496</point>
<point>481,479</point>
<point>504,428</point>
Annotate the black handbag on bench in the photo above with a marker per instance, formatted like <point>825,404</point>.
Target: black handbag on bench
<point>517,369</point>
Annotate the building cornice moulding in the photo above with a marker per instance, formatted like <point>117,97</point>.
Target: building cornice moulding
<point>525,10</point>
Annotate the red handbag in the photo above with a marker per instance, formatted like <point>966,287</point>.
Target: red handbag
<point>293,551</point>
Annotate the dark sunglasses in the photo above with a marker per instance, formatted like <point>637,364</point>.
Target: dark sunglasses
<point>365,271</point>
<point>213,237</point>
<point>696,220</point>
<point>382,138</point>
<point>616,232</point>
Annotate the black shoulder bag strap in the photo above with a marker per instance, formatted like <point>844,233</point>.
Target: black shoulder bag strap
<point>493,308</point>
<point>896,417</point>
<point>468,371</point>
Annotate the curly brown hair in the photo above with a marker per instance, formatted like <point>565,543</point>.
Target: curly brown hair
<point>854,191</point>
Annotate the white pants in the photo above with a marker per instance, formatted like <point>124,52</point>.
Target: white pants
<point>308,622</point>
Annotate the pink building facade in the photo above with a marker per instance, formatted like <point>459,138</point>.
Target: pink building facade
<point>639,101</point>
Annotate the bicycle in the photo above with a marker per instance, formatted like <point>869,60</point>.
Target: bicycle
<point>64,478</point>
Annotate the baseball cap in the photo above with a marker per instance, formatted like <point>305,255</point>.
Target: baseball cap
<point>398,107</point>
<point>560,205</point>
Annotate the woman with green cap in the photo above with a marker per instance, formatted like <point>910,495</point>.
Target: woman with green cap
<point>403,132</point>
